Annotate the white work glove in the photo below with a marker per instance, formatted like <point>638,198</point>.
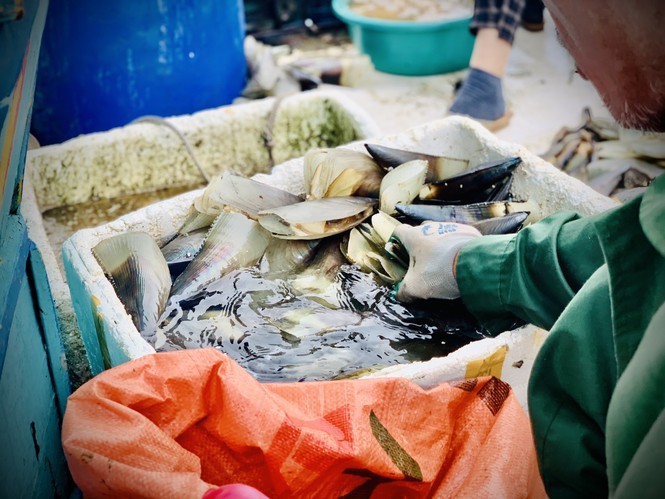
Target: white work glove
<point>432,248</point>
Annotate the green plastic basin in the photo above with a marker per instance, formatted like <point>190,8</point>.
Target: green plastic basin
<point>411,48</point>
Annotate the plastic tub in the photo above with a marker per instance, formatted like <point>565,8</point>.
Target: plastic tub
<point>412,48</point>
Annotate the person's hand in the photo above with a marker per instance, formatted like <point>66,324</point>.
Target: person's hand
<point>234,491</point>
<point>432,249</point>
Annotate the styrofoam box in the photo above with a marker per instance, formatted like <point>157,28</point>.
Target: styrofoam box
<point>101,315</point>
<point>144,157</point>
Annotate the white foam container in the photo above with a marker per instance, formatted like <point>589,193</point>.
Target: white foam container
<point>146,157</point>
<point>101,315</point>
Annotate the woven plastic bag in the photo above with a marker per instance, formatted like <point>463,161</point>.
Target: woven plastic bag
<point>178,424</point>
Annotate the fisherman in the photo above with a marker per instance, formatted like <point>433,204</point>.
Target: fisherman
<point>597,389</point>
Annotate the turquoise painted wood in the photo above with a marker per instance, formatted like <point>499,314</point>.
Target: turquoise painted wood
<point>14,247</point>
<point>49,327</point>
<point>19,49</point>
<point>10,10</point>
<point>93,333</point>
<point>32,463</point>
<point>33,380</point>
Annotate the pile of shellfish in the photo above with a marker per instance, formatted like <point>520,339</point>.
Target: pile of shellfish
<point>353,202</point>
<point>613,161</point>
<point>412,10</point>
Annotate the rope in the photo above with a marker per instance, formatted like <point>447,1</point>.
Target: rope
<point>158,120</point>
<point>267,130</point>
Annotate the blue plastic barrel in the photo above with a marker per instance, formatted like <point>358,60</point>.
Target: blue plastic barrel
<point>103,64</point>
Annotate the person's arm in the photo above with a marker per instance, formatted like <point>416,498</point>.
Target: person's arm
<point>529,276</point>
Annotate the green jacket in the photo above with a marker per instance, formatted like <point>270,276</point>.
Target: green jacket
<point>597,389</point>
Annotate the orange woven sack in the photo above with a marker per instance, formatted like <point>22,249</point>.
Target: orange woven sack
<point>177,424</point>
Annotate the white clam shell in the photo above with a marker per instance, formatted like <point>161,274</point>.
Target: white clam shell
<point>402,185</point>
<point>242,194</point>
<point>316,218</point>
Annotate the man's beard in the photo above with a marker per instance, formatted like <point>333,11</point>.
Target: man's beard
<point>648,118</point>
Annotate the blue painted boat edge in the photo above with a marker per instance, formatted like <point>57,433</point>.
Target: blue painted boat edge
<point>33,463</point>
<point>50,326</point>
<point>24,33</point>
<point>14,249</point>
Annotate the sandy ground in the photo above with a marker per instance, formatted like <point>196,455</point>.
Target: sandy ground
<point>540,86</point>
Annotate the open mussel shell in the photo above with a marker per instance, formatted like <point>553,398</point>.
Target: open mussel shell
<point>207,203</point>
<point>182,250</point>
<point>195,221</point>
<point>396,250</point>
<point>439,167</point>
<point>366,249</point>
<point>323,270</point>
<point>234,241</point>
<point>625,195</point>
<point>500,192</point>
<point>340,173</point>
<point>355,246</point>
<point>402,185</point>
<point>317,218</point>
<point>311,162</point>
<point>461,187</point>
<point>384,225</point>
<point>139,273</point>
<point>634,178</point>
<point>630,174</point>
<point>328,258</point>
<point>632,147</point>
<point>242,194</point>
<point>389,270</point>
<point>285,256</point>
<point>368,232</point>
<point>506,224</point>
<point>468,214</point>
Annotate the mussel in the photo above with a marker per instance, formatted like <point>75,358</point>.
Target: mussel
<point>318,218</point>
<point>340,173</point>
<point>471,186</point>
<point>502,225</point>
<point>365,246</point>
<point>438,167</point>
<point>182,250</point>
<point>612,176</point>
<point>234,241</point>
<point>402,184</point>
<point>195,221</point>
<point>242,194</point>
<point>468,214</point>
<point>285,256</point>
<point>139,273</point>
